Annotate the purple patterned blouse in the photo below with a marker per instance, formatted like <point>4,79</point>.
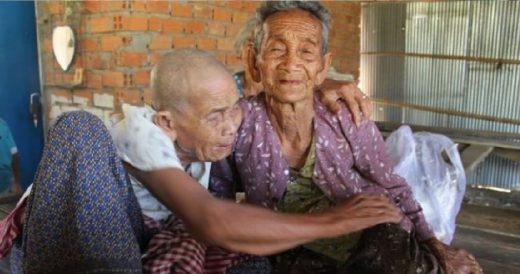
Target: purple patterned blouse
<point>349,161</point>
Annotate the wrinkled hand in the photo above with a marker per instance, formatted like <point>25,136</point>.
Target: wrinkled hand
<point>364,211</point>
<point>454,260</point>
<point>357,102</point>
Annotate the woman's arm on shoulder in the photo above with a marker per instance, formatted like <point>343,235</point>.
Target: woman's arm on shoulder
<point>333,93</point>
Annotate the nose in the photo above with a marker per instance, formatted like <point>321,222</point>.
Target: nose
<point>229,126</point>
<point>292,60</point>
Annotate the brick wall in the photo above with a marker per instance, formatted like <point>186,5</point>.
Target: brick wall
<point>118,42</point>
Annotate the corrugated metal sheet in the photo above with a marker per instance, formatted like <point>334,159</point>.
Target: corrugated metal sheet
<point>458,55</point>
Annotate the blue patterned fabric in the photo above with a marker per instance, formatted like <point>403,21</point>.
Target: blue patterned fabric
<point>82,216</point>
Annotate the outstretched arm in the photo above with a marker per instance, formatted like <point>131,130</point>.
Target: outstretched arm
<point>254,230</point>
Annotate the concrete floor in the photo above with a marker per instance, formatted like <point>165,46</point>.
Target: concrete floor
<point>496,253</point>
<point>492,235</point>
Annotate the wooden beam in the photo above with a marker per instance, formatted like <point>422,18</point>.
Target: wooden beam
<point>465,136</point>
<point>499,62</point>
<point>513,155</point>
<point>473,155</point>
<point>464,114</point>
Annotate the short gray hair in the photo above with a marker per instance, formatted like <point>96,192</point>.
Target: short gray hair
<point>176,71</point>
<point>313,7</point>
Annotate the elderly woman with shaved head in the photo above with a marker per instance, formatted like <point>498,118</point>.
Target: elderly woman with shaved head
<point>293,155</point>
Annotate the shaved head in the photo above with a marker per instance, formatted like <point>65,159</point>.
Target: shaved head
<point>197,104</point>
<point>177,77</point>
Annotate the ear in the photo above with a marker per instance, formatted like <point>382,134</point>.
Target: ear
<point>165,121</point>
<point>322,74</point>
<point>252,65</point>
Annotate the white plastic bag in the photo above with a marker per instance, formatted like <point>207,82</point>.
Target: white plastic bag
<point>431,165</point>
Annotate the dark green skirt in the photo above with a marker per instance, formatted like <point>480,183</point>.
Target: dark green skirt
<point>383,249</point>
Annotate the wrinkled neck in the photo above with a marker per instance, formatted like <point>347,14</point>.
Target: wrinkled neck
<point>185,156</point>
<point>291,121</point>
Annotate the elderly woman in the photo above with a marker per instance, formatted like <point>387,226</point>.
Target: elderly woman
<point>84,213</point>
<point>336,85</point>
<point>293,155</point>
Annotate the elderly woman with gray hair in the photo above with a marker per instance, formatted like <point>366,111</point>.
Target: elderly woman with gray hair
<point>334,86</point>
<point>293,155</point>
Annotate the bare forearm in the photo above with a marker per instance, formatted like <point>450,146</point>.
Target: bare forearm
<point>262,232</point>
<point>255,230</point>
<point>259,231</point>
<point>237,227</point>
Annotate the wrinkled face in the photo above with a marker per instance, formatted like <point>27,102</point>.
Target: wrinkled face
<point>207,127</point>
<point>290,60</point>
